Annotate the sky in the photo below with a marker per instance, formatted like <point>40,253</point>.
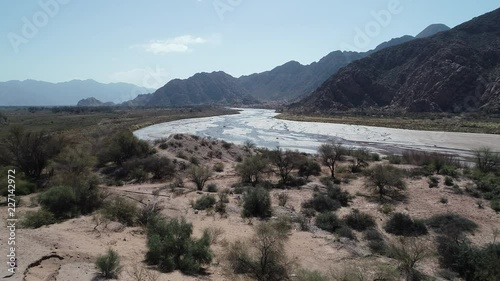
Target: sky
<point>150,42</point>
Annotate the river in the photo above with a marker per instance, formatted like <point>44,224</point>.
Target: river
<point>259,126</point>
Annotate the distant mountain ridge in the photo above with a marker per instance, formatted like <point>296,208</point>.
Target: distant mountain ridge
<point>39,93</point>
<point>456,70</point>
<point>284,83</point>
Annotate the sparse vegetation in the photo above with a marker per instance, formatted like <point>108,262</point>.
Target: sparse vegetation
<point>409,252</point>
<point>359,221</point>
<point>328,221</point>
<point>385,180</point>
<point>199,175</point>
<point>171,247</point>
<point>403,225</point>
<point>204,202</point>
<point>257,203</point>
<point>36,219</point>
<point>109,265</point>
<point>121,210</point>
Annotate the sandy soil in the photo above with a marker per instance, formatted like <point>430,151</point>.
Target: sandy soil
<point>67,251</point>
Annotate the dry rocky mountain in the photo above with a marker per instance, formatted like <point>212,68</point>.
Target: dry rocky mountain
<point>453,71</point>
<point>285,83</point>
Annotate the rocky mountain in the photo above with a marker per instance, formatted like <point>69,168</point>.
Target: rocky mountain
<point>456,70</point>
<point>285,83</point>
<point>202,88</point>
<point>93,102</point>
<point>38,93</point>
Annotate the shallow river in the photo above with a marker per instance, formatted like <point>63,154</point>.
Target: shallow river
<point>259,126</point>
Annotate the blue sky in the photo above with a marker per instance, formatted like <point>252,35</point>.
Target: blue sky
<point>152,41</point>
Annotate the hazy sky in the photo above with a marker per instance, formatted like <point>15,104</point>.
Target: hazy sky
<point>152,41</point>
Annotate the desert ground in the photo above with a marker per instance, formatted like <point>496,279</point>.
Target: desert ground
<point>67,251</point>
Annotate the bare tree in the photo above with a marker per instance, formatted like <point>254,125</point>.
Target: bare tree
<point>199,175</point>
<point>409,252</point>
<point>330,154</point>
<point>487,160</point>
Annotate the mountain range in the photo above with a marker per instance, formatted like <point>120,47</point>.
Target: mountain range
<point>453,71</point>
<point>285,83</point>
<point>39,93</point>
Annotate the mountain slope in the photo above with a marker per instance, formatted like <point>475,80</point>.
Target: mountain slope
<point>38,93</point>
<point>202,88</point>
<point>456,70</point>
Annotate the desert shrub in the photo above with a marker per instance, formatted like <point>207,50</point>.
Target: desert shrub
<point>359,221</point>
<point>308,168</point>
<point>346,232</point>
<point>121,210</point>
<point>194,160</point>
<point>375,157</point>
<point>36,219</point>
<point>487,160</point>
<point>212,187</point>
<point>303,222</point>
<point>282,199</point>
<point>170,246</point>
<point>285,161</point>
<point>257,203</point>
<point>309,275</point>
<point>264,257</point>
<point>213,233</point>
<point>109,265</point>
<point>160,167</point>
<point>30,152</point>
<point>60,201</point>
<point>148,212</point>
<point>394,159</point>
<point>376,241</point>
<point>226,145</point>
<point>386,209</point>
<point>470,262</point>
<point>219,167</point>
<point>321,203</point>
<point>220,206</point>
<point>402,225</point>
<point>328,221</point>
<point>164,145</point>
<point>251,169</point>
<point>443,200</point>
<point>409,252</point>
<point>385,180</point>
<point>452,225</point>
<point>433,182</point>
<point>204,202</point>
<point>448,181</point>
<point>199,175</point>
<point>495,205</point>
<point>336,193</point>
<point>123,146</point>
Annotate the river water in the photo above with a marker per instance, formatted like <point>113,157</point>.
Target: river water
<point>259,126</point>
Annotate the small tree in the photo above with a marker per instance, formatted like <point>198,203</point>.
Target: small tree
<point>330,154</point>
<point>161,167</point>
<point>251,169</point>
<point>123,146</point>
<point>264,258</point>
<point>487,160</point>
<point>409,252</point>
<point>109,265</point>
<point>257,203</point>
<point>386,180</point>
<point>199,175</point>
<point>285,161</point>
<point>308,168</point>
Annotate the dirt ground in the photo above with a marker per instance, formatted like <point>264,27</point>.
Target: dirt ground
<point>67,251</point>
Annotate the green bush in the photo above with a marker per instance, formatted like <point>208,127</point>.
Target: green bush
<point>321,203</point>
<point>448,181</point>
<point>359,221</point>
<point>212,188</point>
<point>109,265</point>
<point>495,205</point>
<point>219,167</point>
<point>204,202</point>
<point>309,168</point>
<point>170,246</point>
<point>148,212</point>
<point>37,219</point>
<point>257,203</point>
<point>433,182</point>
<point>385,180</point>
<point>394,159</point>
<point>328,221</point>
<point>121,210</point>
<point>452,225</point>
<point>252,168</point>
<point>123,146</point>
<point>469,261</point>
<point>345,231</point>
<point>160,167</point>
<point>60,201</point>
<point>336,193</point>
<point>402,225</point>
